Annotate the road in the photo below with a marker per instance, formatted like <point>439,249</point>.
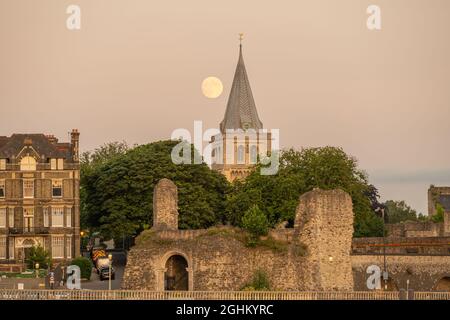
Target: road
<point>119,261</point>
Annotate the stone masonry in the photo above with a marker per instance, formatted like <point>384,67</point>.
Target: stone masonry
<point>315,255</point>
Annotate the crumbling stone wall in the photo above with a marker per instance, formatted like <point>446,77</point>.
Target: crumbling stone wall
<point>165,205</point>
<point>324,222</point>
<point>423,272</point>
<point>315,255</point>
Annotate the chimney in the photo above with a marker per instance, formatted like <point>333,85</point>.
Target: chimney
<point>75,142</point>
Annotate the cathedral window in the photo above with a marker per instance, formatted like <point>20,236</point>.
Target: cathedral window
<point>253,154</point>
<point>241,155</point>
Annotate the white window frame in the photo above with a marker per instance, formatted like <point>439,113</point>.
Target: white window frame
<point>3,247</point>
<point>59,213</point>
<point>68,217</point>
<point>46,216</point>
<point>58,244</point>
<point>56,164</point>
<point>24,188</point>
<point>28,163</point>
<point>10,217</point>
<point>69,247</point>
<point>12,248</point>
<point>3,214</point>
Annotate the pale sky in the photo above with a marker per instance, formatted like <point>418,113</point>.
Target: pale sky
<point>134,70</point>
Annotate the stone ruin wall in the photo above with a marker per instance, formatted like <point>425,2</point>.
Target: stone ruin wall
<point>218,260</point>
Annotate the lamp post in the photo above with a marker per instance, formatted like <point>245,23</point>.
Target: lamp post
<point>385,272</point>
<point>37,269</point>
<point>110,269</point>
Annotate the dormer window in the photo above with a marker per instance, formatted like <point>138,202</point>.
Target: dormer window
<point>28,164</point>
<point>57,164</point>
<point>2,164</point>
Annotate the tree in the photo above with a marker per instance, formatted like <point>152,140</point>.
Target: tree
<point>255,222</point>
<point>89,162</point>
<point>119,191</point>
<point>398,211</point>
<point>39,255</point>
<point>299,172</point>
<point>85,266</point>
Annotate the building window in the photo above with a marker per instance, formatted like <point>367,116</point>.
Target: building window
<point>69,217</point>
<point>28,189</point>
<point>2,164</point>
<point>11,217</point>
<point>2,217</point>
<point>46,216</point>
<point>28,219</point>
<point>57,216</point>
<point>28,164</point>
<point>11,248</point>
<point>253,154</point>
<point>2,189</point>
<point>2,247</point>
<point>57,188</point>
<point>57,164</point>
<point>58,247</point>
<point>69,247</point>
<point>241,155</point>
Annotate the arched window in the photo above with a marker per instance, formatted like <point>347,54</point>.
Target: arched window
<point>241,155</point>
<point>253,154</point>
<point>28,164</point>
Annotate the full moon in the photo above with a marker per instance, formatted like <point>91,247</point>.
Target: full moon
<point>212,87</point>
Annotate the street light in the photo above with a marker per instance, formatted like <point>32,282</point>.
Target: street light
<point>110,267</point>
<point>37,269</point>
<point>385,272</point>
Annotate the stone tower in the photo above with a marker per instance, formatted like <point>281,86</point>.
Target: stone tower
<point>324,223</point>
<point>165,205</point>
<point>242,138</point>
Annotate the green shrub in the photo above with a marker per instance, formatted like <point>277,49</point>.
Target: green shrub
<point>85,267</point>
<point>256,223</point>
<point>439,215</point>
<point>260,282</point>
<point>38,255</point>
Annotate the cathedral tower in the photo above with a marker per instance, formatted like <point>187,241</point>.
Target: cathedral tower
<point>242,140</point>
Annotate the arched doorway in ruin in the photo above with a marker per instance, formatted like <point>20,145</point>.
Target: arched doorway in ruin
<point>176,275</point>
<point>443,284</point>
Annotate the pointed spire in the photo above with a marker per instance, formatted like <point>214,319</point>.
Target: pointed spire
<point>241,110</point>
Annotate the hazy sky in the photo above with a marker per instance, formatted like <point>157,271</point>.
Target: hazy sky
<point>134,70</point>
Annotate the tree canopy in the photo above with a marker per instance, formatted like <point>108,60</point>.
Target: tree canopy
<point>300,172</point>
<point>117,189</point>
<point>118,193</point>
<point>399,211</point>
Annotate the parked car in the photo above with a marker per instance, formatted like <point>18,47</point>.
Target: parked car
<point>104,273</point>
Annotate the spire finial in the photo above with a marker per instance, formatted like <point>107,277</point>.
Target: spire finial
<point>241,36</point>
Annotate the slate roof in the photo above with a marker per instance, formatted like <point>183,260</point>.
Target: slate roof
<point>241,110</point>
<point>10,147</point>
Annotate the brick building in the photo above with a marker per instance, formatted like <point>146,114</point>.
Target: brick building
<point>39,196</point>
